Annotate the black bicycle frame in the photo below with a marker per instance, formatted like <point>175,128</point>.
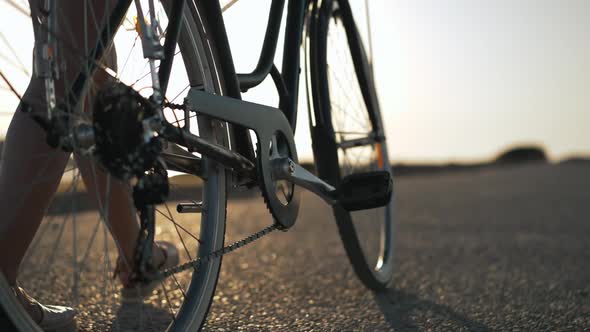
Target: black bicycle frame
<point>287,81</point>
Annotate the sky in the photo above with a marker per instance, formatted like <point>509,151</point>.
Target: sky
<point>472,77</point>
<point>458,80</point>
<point>462,80</point>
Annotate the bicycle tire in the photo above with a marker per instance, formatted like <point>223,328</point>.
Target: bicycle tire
<point>202,66</point>
<point>330,133</point>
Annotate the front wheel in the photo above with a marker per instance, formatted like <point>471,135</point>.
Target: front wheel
<point>348,136</point>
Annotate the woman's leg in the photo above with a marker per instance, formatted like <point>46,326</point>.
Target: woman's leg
<point>30,172</point>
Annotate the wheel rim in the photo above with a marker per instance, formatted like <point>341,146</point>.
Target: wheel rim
<point>50,254</point>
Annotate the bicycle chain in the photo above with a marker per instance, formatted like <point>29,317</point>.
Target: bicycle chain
<point>196,263</point>
<point>173,106</point>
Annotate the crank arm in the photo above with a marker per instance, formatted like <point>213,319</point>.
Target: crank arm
<point>358,191</point>
<point>286,169</point>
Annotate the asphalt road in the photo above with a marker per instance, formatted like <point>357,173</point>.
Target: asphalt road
<point>492,249</point>
<point>499,249</point>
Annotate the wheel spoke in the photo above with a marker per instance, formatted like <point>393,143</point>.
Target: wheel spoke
<point>179,226</point>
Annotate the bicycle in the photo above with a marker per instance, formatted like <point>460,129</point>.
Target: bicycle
<point>170,148</point>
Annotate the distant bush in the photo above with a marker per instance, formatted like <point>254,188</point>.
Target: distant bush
<point>522,154</point>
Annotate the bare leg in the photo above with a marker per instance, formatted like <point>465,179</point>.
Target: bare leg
<point>30,172</point>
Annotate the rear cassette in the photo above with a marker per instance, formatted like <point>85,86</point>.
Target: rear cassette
<point>118,117</point>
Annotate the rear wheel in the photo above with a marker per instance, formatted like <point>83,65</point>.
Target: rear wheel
<point>72,257</point>
<point>348,136</point>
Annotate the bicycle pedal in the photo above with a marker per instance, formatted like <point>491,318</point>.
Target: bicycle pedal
<point>365,190</point>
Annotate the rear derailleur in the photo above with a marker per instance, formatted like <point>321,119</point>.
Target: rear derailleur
<point>129,149</point>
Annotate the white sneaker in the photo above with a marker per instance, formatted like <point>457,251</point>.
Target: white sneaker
<point>50,317</point>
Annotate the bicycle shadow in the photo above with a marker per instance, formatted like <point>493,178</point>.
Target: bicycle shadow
<point>399,308</point>
<point>139,317</point>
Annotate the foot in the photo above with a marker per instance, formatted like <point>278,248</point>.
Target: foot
<point>48,317</point>
<point>165,256</point>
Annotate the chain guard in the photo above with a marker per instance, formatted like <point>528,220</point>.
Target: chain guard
<point>266,122</point>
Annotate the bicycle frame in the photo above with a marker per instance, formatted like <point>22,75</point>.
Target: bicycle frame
<point>287,81</point>
<point>272,125</point>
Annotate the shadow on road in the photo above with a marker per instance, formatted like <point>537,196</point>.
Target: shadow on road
<point>400,308</point>
<point>139,317</point>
